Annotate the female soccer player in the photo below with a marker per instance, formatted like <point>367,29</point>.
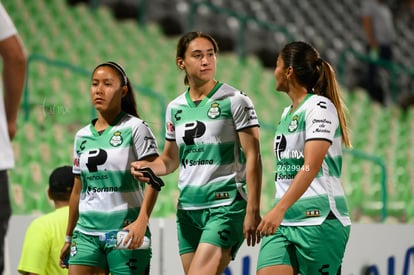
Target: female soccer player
<point>106,198</point>
<point>307,229</point>
<point>213,136</point>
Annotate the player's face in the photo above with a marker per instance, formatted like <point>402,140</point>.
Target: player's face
<point>106,91</point>
<point>280,76</point>
<point>199,61</point>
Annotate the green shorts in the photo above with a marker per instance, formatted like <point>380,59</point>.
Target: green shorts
<point>89,250</point>
<point>220,226</point>
<point>315,249</point>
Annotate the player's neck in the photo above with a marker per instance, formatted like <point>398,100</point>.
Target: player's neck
<point>297,98</point>
<point>200,91</point>
<point>105,119</point>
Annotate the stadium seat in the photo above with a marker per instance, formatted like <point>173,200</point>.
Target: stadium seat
<point>148,56</point>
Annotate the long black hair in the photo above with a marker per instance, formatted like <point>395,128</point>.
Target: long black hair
<point>318,76</point>
<point>128,103</point>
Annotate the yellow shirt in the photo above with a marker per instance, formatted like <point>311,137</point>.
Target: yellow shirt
<point>44,239</point>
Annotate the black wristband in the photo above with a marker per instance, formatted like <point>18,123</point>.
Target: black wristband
<point>155,181</point>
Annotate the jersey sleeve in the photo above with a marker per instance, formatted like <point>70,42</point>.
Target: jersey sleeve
<point>169,125</point>
<point>35,249</point>
<point>144,141</point>
<point>76,168</point>
<point>244,113</point>
<point>322,121</point>
<point>7,27</point>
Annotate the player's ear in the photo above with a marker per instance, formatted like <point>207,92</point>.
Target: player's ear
<point>124,90</point>
<point>49,194</point>
<point>289,72</point>
<point>180,63</point>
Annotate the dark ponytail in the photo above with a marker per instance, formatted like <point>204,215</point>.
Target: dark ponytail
<point>318,76</point>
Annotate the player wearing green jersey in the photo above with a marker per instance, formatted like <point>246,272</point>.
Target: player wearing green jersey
<point>105,197</point>
<point>212,134</point>
<point>307,229</point>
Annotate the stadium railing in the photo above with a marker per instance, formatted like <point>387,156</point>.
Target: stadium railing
<point>243,22</point>
<point>34,57</point>
<point>394,68</point>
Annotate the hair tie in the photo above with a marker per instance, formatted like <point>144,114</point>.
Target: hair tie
<point>320,61</point>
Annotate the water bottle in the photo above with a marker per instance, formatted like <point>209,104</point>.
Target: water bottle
<point>109,238</point>
<point>116,239</point>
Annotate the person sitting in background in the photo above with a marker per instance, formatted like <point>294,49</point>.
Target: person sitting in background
<point>43,240</point>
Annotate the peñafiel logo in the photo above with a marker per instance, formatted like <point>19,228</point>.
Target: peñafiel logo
<point>192,131</point>
<point>280,146</point>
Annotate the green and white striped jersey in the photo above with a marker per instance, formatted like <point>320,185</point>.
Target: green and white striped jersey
<point>315,118</point>
<point>110,196</point>
<point>212,164</point>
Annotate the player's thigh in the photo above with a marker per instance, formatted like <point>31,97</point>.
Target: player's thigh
<point>276,251</point>
<point>210,259</point>
<point>189,230</point>
<point>129,262</point>
<point>277,269</point>
<point>87,250</point>
<point>186,260</point>
<point>224,228</point>
<point>86,270</point>
<point>321,248</point>
<point>220,226</point>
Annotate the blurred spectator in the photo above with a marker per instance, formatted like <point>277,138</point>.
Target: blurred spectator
<point>13,76</point>
<point>406,13</point>
<point>378,24</point>
<point>44,236</point>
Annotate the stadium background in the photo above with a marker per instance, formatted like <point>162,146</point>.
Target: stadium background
<point>65,40</point>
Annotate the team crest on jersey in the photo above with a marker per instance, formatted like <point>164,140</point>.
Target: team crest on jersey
<point>293,125</point>
<point>214,110</point>
<point>73,249</point>
<point>116,139</point>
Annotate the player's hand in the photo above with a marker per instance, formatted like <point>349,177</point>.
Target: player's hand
<point>145,174</point>
<point>251,221</point>
<point>136,171</point>
<point>270,223</point>
<point>64,255</point>
<point>136,233</point>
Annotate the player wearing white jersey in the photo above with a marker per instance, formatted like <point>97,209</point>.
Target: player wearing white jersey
<point>315,119</point>
<point>106,198</point>
<point>110,197</point>
<point>213,137</point>
<point>212,164</point>
<point>307,229</point>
